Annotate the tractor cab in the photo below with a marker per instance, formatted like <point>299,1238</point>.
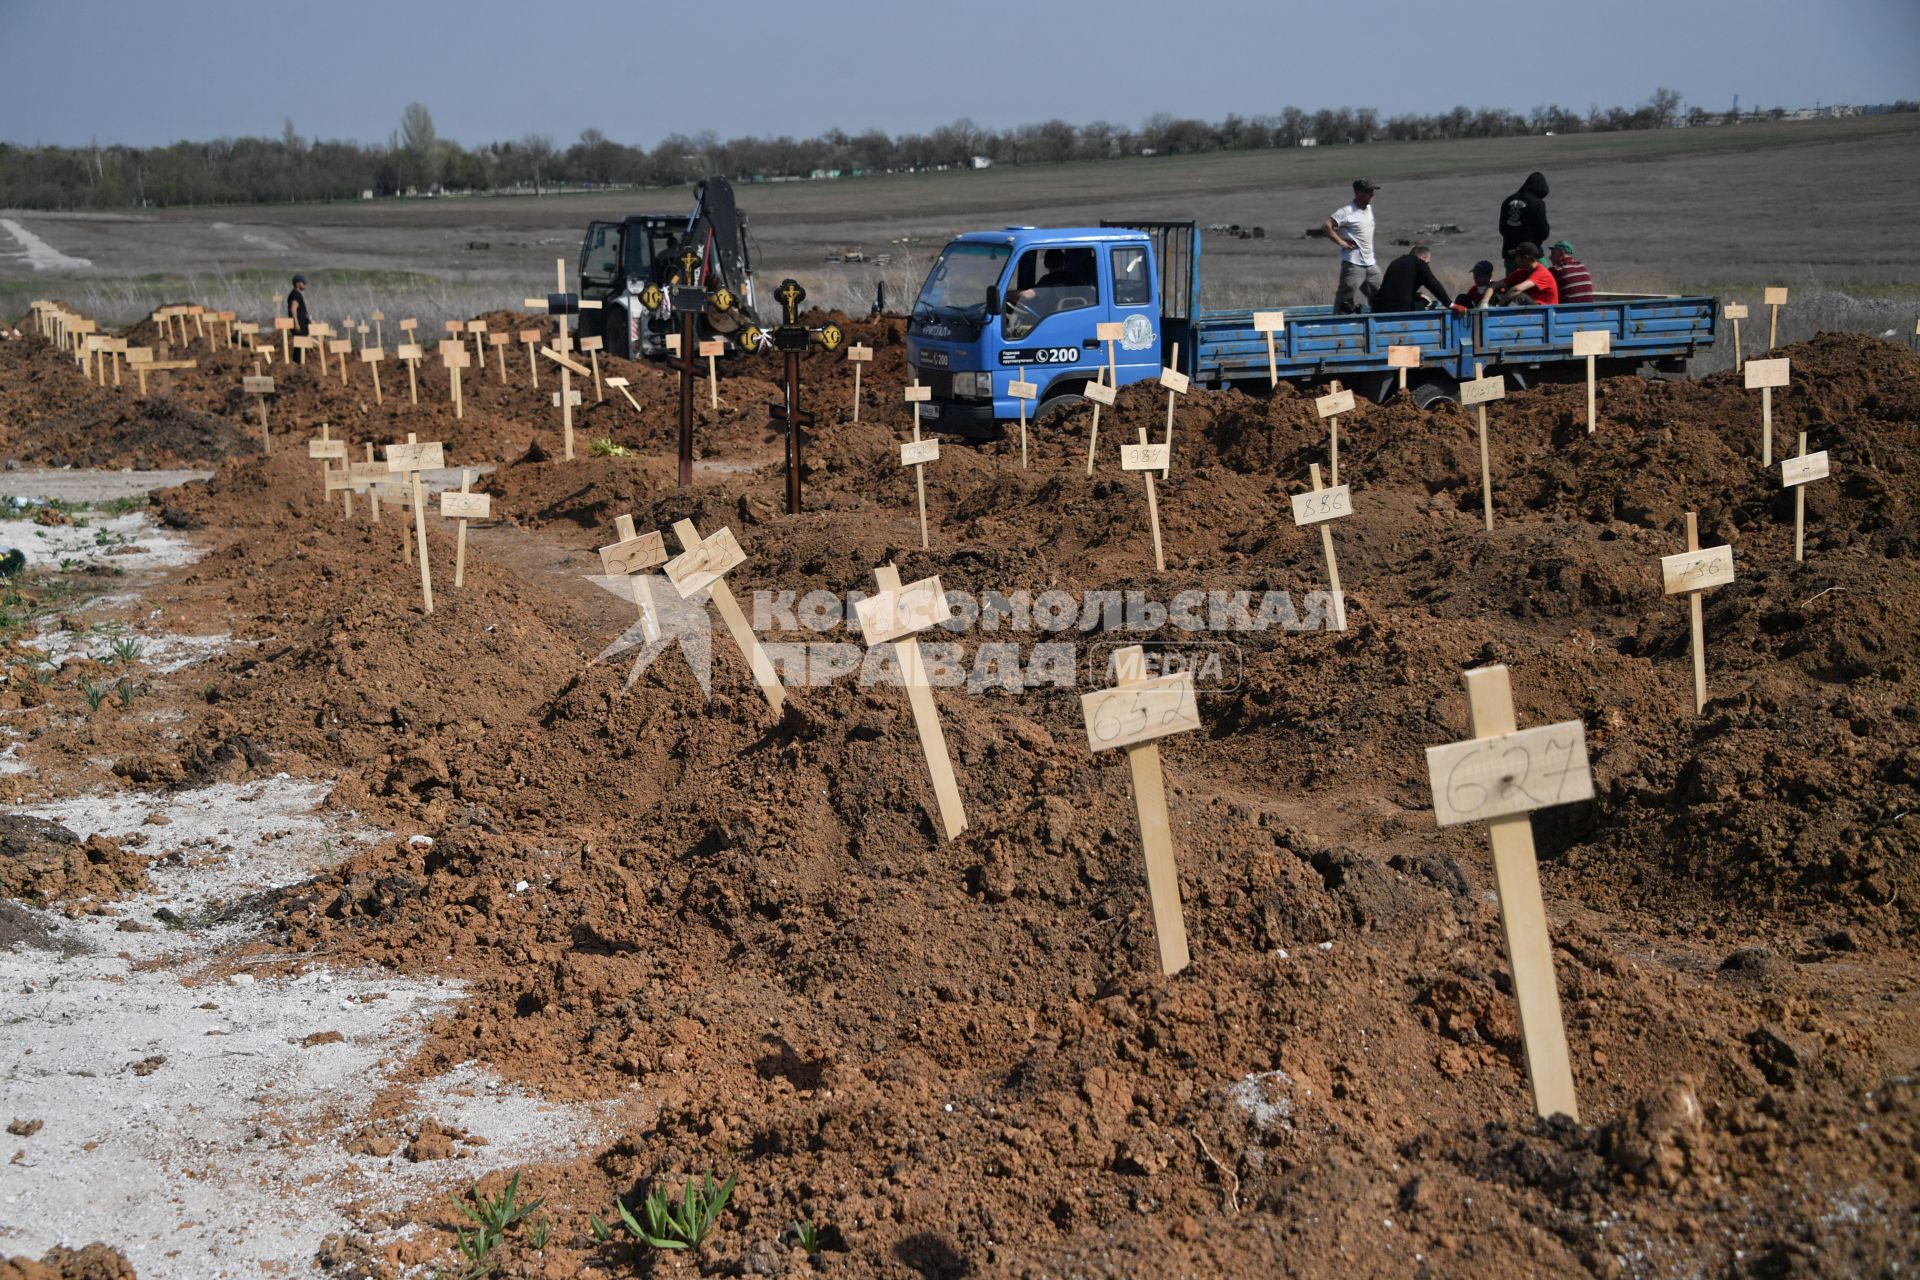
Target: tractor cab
<point>617,261</point>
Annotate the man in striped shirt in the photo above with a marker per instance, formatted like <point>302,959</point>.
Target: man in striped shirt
<point>1575,281</point>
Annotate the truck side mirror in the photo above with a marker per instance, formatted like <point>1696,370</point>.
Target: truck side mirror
<point>993,299</point>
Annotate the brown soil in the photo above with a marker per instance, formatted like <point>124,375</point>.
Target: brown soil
<point>94,1262</point>
<point>960,1057</point>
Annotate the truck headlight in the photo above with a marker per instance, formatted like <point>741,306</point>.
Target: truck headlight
<point>973,386</point>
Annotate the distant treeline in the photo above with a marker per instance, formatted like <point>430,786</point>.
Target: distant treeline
<point>416,160</point>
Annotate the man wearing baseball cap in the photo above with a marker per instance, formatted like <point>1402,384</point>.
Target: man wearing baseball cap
<point>1575,281</point>
<point>1351,227</point>
<point>297,312</point>
<point>1482,289</point>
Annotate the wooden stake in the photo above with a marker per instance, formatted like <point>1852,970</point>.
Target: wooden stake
<point>1021,390</point>
<point>408,461</point>
<point>1176,384</point>
<point>408,331</point>
<point>895,615</point>
<point>591,346</point>
<point>379,333</point>
<point>498,341</point>
<point>326,449</point>
<point>1591,343</point>
<point>1476,781</point>
<point>1133,715</point>
<point>409,354</point>
<point>478,330</point>
<point>453,355</point>
<point>1321,507</point>
<point>566,397</point>
<point>531,337</point>
<point>918,453</point>
<point>1736,312</point>
<point>1270,323</point>
<point>371,357</point>
<point>1478,392</point>
<point>464,506</point>
<point>1148,458</point>
<point>859,356</point>
<point>1691,572</point>
<point>630,558</point>
<point>1110,332</point>
<point>1403,358</point>
<point>620,385</point>
<point>373,496</point>
<point>1101,394</point>
<point>703,564</point>
<point>260,388</point>
<point>1766,375</point>
<point>1775,298</point>
<point>1796,473</point>
<point>1330,407</point>
<point>711,349</point>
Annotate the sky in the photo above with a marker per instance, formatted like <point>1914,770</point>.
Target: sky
<point>144,74</point>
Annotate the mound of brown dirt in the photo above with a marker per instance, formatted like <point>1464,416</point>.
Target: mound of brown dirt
<point>94,1262</point>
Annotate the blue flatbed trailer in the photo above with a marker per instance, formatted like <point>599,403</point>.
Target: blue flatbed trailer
<point>985,319</point>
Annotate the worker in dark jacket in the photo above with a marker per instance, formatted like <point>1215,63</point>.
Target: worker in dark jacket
<point>1406,276</point>
<point>1523,216</point>
<point>297,311</point>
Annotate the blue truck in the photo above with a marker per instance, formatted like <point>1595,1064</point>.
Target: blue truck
<point>1025,303</point>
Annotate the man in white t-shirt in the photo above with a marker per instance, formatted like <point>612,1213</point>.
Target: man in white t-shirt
<point>1351,227</point>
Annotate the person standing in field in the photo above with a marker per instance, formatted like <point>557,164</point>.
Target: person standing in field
<point>297,312</point>
<point>1351,227</point>
<point>1523,216</point>
<point>1575,281</point>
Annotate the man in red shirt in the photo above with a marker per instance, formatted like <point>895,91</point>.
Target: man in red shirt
<point>1529,281</point>
<point>1575,281</point>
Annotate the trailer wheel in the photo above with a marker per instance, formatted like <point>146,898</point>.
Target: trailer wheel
<point>1430,388</point>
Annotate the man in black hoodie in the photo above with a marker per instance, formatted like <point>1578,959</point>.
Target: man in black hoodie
<point>1523,216</point>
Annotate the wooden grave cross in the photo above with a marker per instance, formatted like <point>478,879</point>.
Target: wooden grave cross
<point>1775,298</point>
<point>342,348</point>
<point>1022,391</point>
<point>227,321</point>
<point>284,325</point>
<point>408,461</point>
<point>1148,458</point>
<point>1691,572</point>
<point>409,353</point>
<point>370,477</point>
<point>499,341</point>
<point>361,331</point>
<point>710,349</point>
<point>1133,715</point>
<point>620,385</point>
<point>379,330</point>
<point>1479,392</point>
<point>1403,358</point>
<point>1795,474</point>
<point>1177,384</point>
<point>704,562</point>
<point>139,359</point>
<point>478,328</point>
<point>859,356</point>
<point>1499,776</point>
<point>1330,407</point>
<point>453,354</point>
<point>917,453</point>
<point>371,357</point>
<point>320,333</point>
<point>326,449</point>
<point>1110,332</point>
<point>531,337</point>
<point>1591,343</point>
<point>1101,394</point>
<point>1736,312</point>
<point>454,329</point>
<point>198,313</point>
<point>248,332</point>
<point>80,331</point>
<point>464,506</point>
<point>409,328</point>
<point>261,388</point>
<point>591,348</point>
<point>895,616</point>
<point>1766,375</point>
<point>566,397</point>
<point>560,304</point>
<point>1321,507</point>
<point>630,557</point>
<point>1270,323</point>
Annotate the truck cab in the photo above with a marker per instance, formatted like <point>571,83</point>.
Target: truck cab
<point>616,262</point>
<point>1026,304</point>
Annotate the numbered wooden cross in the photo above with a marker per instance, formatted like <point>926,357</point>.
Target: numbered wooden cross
<point>703,564</point>
<point>1736,312</point>
<point>917,453</point>
<point>477,330</point>
<point>1148,458</point>
<point>1176,384</point>
<point>1403,359</point>
<point>1320,507</point>
<point>371,357</point>
<point>591,348</point>
<point>620,385</point>
<point>499,341</point>
<point>284,326</point>
<point>260,389</point>
<point>1270,323</point>
<point>1775,298</point>
<point>409,332</point>
<point>361,331</point>
<point>1766,375</point>
<point>1795,474</point>
<point>327,450</point>
<point>1133,715</point>
<point>1592,343</point>
<point>1022,392</point>
<point>408,461</point>
<point>859,357</point>
<point>566,398</point>
<point>464,506</point>
<point>1689,573</point>
<point>710,350</point>
<point>1499,777</point>
<point>321,334</point>
<point>1330,407</point>
<point>454,357</point>
<point>409,354</point>
<point>1111,332</point>
<point>1102,395</point>
<point>531,339</point>
<point>1480,392</point>
<point>895,616</point>
<point>630,558</point>
<point>341,349</point>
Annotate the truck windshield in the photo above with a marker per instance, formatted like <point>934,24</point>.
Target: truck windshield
<point>956,288</point>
